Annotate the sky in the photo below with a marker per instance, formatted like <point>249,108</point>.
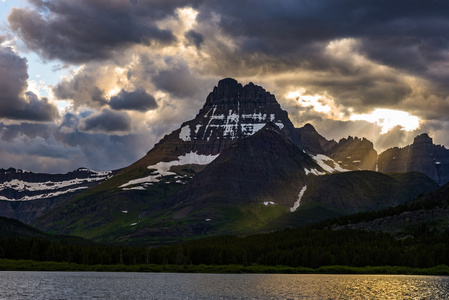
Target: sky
<point>96,83</point>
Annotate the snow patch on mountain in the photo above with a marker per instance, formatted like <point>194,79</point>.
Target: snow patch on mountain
<point>162,168</point>
<point>296,205</point>
<point>45,195</point>
<point>185,134</point>
<point>21,186</point>
<point>29,189</point>
<point>327,163</point>
<point>233,122</point>
<point>314,172</point>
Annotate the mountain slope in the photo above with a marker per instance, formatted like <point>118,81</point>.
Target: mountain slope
<point>421,156</point>
<point>347,193</point>
<point>428,215</point>
<point>263,167</point>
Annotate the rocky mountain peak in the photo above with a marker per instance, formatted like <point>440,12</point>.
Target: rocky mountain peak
<point>231,112</point>
<point>354,153</point>
<point>309,128</point>
<point>229,93</point>
<point>423,139</point>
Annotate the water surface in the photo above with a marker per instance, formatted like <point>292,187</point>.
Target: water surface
<point>93,285</point>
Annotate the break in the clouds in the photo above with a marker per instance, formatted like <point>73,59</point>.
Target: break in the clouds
<point>141,68</point>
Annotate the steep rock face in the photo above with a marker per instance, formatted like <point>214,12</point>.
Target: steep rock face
<point>421,156</point>
<point>26,195</point>
<point>311,141</point>
<point>354,154</point>
<point>351,153</point>
<point>231,112</point>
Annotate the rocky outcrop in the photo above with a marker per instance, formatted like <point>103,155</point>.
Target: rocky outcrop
<point>354,154</point>
<point>421,156</point>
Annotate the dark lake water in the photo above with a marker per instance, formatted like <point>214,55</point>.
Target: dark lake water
<point>91,285</point>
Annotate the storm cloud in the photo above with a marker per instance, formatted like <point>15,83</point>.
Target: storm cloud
<point>138,100</point>
<point>106,121</point>
<point>15,102</point>
<point>84,30</point>
<point>141,68</point>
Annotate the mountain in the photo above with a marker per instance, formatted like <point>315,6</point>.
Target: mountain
<point>421,156</point>
<point>263,171</point>
<point>264,167</point>
<point>26,195</point>
<point>237,167</point>
<point>352,153</point>
<point>231,112</point>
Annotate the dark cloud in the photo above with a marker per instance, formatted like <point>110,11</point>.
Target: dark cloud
<point>10,132</point>
<point>280,27</point>
<point>138,100</point>
<point>359,54</point>
<point>15,102</point>
<point>84,30</point>
<point>13,76</point>
<point>195,38</point>
<point>409,37</point>
<point>82,89</point>
<point>48,148</point>
<point>107,121</point>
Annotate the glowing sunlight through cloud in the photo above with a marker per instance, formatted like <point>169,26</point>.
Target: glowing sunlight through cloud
<point>387,119</point>
<point>316,101</point>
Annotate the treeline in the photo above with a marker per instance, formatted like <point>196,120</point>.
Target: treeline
<point>311,248</point>
<point>39,249</point>
<point>291,247</point>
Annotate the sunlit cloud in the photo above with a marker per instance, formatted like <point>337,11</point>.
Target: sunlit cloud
<point>323,104</point>
<point>387,119</point>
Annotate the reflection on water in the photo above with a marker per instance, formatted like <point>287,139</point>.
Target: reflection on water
<point>91,285</point>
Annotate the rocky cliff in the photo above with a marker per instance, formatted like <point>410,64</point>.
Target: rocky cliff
<point>421,156</point>
<point>354,154</point>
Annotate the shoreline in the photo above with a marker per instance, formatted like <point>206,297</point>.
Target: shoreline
<point>29,265</point>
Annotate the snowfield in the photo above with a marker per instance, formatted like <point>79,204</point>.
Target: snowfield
<point>162,168</point>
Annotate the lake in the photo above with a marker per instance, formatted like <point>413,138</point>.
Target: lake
<point>93,285</point>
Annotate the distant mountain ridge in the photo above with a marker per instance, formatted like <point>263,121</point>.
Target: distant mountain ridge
<point>26,195</point>
<point>421,156</point>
